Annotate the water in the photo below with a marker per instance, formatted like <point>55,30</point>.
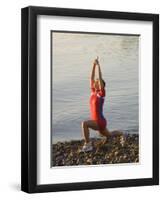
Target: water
<point>72,57</point>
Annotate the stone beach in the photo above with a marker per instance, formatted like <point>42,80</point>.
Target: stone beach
<point>120,148</point>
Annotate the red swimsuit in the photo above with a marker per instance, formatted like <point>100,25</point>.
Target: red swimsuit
<point>96,106</point>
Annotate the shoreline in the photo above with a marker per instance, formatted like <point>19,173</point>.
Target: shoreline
<point>121,148</point>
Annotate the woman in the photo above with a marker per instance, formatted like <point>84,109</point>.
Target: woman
<point>97,122</point>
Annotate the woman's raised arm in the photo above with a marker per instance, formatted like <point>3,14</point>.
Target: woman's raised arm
<point>93,71</point>
<point>100,76</point>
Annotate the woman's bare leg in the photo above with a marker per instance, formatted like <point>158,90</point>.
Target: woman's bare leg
<point>105,132</point>
<point>117,133</point>
<point>85,128</point>
<point>108,133</point>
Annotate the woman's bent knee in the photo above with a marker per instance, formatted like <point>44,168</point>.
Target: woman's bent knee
<point>84,124</point>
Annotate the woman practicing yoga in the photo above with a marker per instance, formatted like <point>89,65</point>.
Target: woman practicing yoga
<point>97,121</point>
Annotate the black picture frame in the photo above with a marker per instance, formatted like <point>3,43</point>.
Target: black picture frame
<point>29,98</point>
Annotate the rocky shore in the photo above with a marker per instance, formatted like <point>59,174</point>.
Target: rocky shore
<point>123,148</point>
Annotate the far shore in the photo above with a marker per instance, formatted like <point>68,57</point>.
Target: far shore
<point>121,148</point>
